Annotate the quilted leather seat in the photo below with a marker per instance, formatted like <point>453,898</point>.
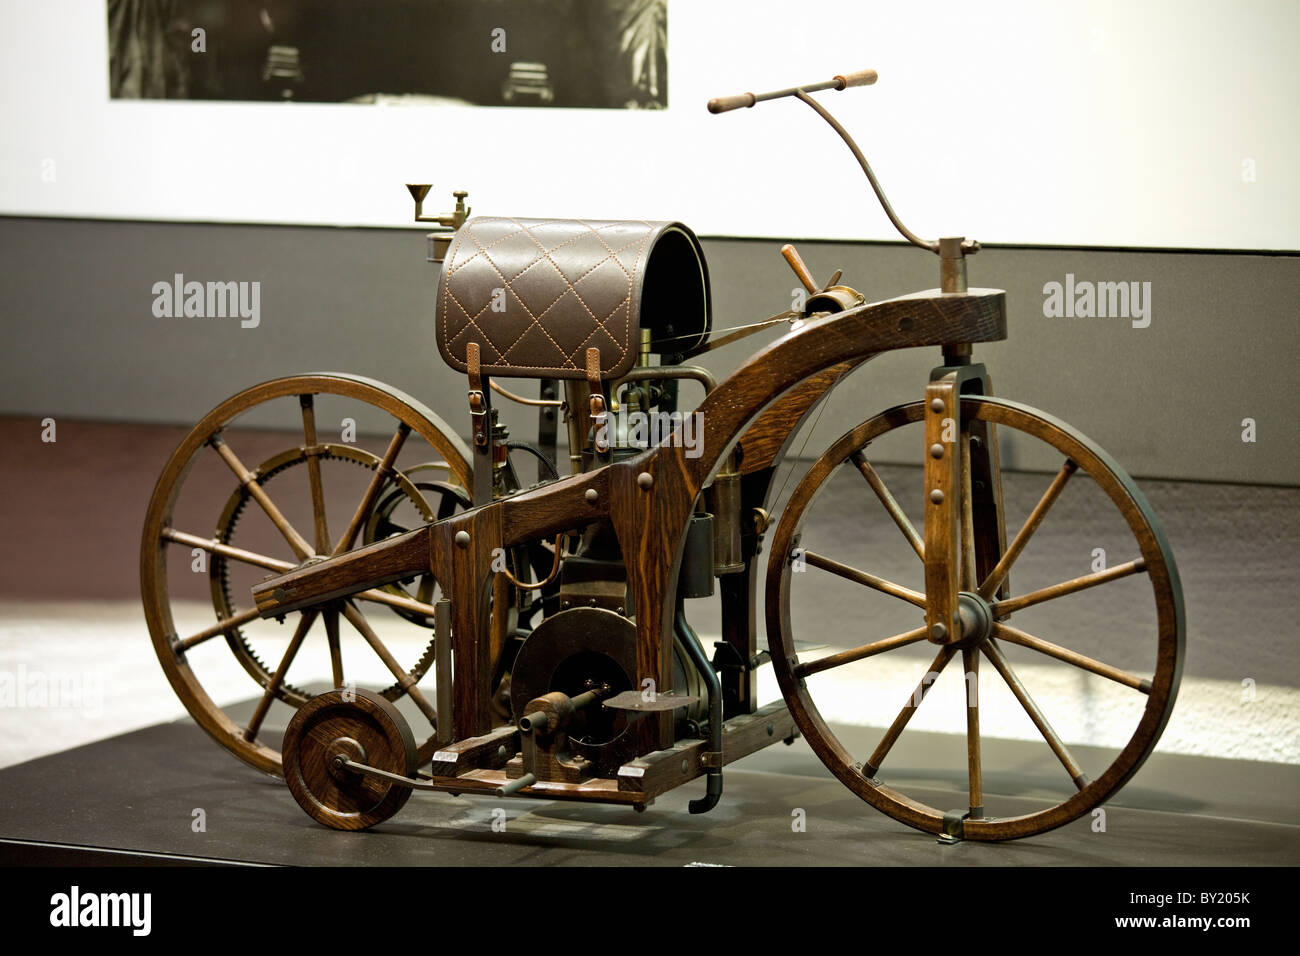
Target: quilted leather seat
<point>536,294</point>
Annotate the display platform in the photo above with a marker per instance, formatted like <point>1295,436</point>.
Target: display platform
<point>134,799</point>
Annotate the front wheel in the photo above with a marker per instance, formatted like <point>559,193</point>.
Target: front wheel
<point>1095,625</point>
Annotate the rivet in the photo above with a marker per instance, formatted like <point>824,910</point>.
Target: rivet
<point>686,767</point>
<point>462,539</point>
<point>936,496</point>
<point>936,450</point>
<point>771,728</point>
<point>936,404</point>
<point>645,481</point>
<point>938,632</point>
<point>592,496</point>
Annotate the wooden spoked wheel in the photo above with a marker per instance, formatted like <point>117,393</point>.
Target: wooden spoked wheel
<point>1094,626</point>
<point>341,725</point>
<point>277,476</point>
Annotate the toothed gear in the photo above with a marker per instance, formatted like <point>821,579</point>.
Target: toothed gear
<point>218,567</point>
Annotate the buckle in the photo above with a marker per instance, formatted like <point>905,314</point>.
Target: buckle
<point>477,413</point>
<point>598,419</point>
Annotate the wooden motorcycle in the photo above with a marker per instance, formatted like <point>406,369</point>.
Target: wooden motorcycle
<point>554,615</point>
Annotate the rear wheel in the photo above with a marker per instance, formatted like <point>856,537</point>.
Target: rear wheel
<point>242,497</point>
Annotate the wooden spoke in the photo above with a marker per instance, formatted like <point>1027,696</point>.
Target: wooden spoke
<point>264,705</point>
<point>970,660</point>
<point>336,652</point>
<point>940,661</point>
<point>226,551</point>
<point>313,474</point>
<point>1069,587</point>
<point>358,621</point>
<point>379,596</point>
<point>221,627</point>
<point>246,478</point>
<point>382,471</point>
<point>859,653</point>
<point>1003,667</point>
<point>968,579</point>
<point>888,500</point>
<point>1015,636</point>
<point>1031,524</point>
<point>862,577</point>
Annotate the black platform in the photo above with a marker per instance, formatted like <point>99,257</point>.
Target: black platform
<point>131,800</point>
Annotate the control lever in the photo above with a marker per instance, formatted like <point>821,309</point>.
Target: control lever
<point>831,297</point>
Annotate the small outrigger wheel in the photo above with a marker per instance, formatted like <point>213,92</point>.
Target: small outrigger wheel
<point>362,727</point>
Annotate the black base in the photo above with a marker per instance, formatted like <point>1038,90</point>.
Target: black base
<point>132,800</point>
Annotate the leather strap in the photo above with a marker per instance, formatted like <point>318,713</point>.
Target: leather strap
<point>598,414</point>
<point>477,402</point>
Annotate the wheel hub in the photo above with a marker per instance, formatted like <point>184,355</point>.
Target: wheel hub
<point>976,619</point>
<point>339,752</point>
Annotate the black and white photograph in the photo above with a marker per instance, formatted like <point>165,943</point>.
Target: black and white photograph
<point>580,54</point>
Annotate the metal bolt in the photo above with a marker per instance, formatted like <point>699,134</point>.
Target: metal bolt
<point>936,450</point>
<point>645,481</point>
<point>938,632</point>
<point>592,496</point>
<point>686,767</point>
<point>936,496</point>
<point>462,539</point>
<point>936,404</point>
<point>771,728</point>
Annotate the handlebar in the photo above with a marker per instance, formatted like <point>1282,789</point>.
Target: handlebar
<point>841,81</point>
<point>950,250</point>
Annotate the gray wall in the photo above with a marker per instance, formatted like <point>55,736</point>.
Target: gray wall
<point>1167,401</point>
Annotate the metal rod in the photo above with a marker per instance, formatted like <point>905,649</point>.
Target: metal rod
<point>514,786</point>
<point>691,642</point>
<point>913,238</point>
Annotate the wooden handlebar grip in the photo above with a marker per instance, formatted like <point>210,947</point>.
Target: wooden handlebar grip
<point>800,270</point>
<point>722,104</point>
<point>860,78</point>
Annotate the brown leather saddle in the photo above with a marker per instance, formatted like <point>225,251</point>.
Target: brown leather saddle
<point>537,296</point>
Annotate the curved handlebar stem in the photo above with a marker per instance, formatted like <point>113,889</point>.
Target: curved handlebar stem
<point>908,234</point>
<point>723,104</point>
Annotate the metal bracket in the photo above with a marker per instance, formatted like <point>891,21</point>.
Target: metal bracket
<point>954,828</point>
